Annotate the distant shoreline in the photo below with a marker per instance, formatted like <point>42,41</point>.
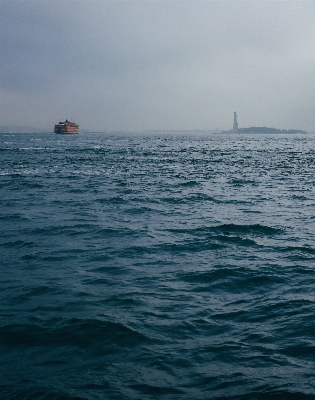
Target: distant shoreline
<point>251,130</point>
<point>263,129</point>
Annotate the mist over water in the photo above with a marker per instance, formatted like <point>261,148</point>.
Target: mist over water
<point>157,266</point>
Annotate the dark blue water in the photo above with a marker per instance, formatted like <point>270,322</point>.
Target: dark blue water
<point>157,266</point>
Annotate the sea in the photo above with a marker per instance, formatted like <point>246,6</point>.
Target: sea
<point>157,265</point>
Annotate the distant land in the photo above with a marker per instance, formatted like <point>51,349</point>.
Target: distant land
<point>259,129</point>
<point>263,129</point>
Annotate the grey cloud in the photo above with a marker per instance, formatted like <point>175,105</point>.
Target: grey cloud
<point>158,64</point>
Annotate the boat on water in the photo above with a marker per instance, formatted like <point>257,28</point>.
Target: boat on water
<point>67,127</point>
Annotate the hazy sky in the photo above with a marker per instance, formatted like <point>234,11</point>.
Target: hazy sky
<point>158,64</point>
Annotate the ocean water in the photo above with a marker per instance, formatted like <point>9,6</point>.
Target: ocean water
<point>157,266</point>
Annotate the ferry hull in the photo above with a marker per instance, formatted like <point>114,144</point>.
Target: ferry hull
<point>65,133</point>
<point>66,128</point>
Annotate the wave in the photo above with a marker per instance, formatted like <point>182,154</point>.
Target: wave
<point>13,217</point>
<point>27,391</point>
<point>227,229</point>
<point>255,228</point>
<point>231,279</point>
<point>150,390</point>
<point>299,249</point>
<point>199,197</point>
<point>84,333</point>
<point>18,244</point>
<point>243,182</point>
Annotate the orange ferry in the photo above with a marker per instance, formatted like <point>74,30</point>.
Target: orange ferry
<point>66,127</point>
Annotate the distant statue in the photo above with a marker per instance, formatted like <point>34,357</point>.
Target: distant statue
<point>235,124</point>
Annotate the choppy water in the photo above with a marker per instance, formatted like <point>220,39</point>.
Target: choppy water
<point>146,266</point>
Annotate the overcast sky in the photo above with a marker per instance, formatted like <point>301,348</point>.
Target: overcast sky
<point>136,65</point>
